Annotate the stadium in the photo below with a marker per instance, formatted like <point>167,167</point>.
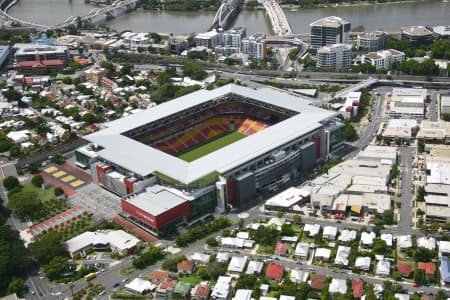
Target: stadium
<point>208,150</point>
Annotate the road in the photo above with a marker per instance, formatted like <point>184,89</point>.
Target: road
<point>406,197</point>
<point>434,107</point>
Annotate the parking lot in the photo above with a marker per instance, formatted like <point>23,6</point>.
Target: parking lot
<point>102,203</point>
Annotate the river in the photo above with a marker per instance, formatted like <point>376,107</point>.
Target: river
<point>388,17</point>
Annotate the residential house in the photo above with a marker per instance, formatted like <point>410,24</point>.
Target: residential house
<point>445,269</point>
<point>237,264</point>
<point>428,267</point>
<point>254,267</point>
<point>405,242</point>
<point>312,229</point>
<point>329,233</point>
<point>383,268</point>
<point>323,254</point>
<point>426,242</point>
<point>302,250</point>
<point>400,296</point>
<point>242,294</point>
<point>275,271</point>
<point>388,238</point>
<point>342,256</point>
<point>298,276</point>
<point>363,263</point>
<point>185,267</point>
<point>182,289</point>
<point>222,289</point>
<point>444,248</point>
<point>357,288</point>
<point>367,239</point>
<point>223,257</point>
<point>317,282</point>
<point>200,258</point>
<point>405,269</point>
<point>157,277</point>
<point>243,235</point>
<point>166,288</point>
<point>281,249</point>
<point>292,240</point>
<point>338,286</point>
<point>347,236</point>
<point>139,285</point>
<point>200,291</point>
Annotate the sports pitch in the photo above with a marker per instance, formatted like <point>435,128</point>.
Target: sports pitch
<point>211,146</point>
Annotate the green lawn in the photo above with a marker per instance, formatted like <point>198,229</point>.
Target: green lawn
<point>44,195</point>
<point>193,280</point>
<point>211,146</point>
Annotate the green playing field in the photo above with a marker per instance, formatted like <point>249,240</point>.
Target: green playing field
<point>211,146</point>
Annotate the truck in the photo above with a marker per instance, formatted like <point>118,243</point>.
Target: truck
<point>90,276</point>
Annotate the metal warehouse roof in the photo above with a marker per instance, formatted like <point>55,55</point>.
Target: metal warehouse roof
<point>144,160</point>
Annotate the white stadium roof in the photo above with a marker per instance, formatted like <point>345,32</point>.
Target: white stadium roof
<point>144,160</point>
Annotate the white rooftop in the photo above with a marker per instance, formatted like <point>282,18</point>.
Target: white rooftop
<point>338,286</point>
<point>405,241</point>
<point>426,242</point>
<point>117,239</point>
<point>288,197</point>
<point>237,264</point>
<point>140,285</point>
<point>117,146</point>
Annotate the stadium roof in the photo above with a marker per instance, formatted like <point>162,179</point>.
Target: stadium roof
<point>144,160</point>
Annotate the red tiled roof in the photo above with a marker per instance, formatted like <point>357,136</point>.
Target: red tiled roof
<point>158,275</point>
<point>81,60</point>
<point>275,271</point>
<point>317,281</point>
<point>404,269</point>
<point>168,283</point>
<point>358,288</point>
<point>429,268</point>
<point>427,297</point>
<point>40,63</point>
<point>201,290</point>
<point>185,265</point>
<point>281,248</point>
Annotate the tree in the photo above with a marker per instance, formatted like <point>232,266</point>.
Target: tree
<point>280,214</point>
<point>59,191</point>
<point>47,247</point>
<point>216,269</point>
<point>89,118</point>
<point>349,131</point>
<point>194,71</point>
<point>388,217</point>
<point>297,219</point>
<point>15,260</point>
<point>420,193</point>
<point>419,276</point>
<point>33,168</point>
<point>10,182</point>
<point>154,36</point>
<point>57,267</point>
<point>441,295</point>
<point>58,158</point>
<point>12,95</point>
<point>212,242</point>
<point>171,264</point>
<point>379,246</point>
<point>17,285</point>
<point>37,181</point>
<point>25,203</point>
<point>5,143</point>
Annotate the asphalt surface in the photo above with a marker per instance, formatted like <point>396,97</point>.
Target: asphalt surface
<point>434,107</point>
<point>406,196</point>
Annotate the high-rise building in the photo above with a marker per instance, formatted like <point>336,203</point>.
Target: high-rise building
<point>383,59</point>
<point>335,57</point>
<point>230,41</point>
<point>328,31</point>
<point>208,39</point>
<point>255,46</point>
<point>372,41</point>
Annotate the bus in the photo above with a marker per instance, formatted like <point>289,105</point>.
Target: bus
<point>90,276</point>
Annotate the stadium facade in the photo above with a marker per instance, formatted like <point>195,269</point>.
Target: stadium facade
<point>269,139</point>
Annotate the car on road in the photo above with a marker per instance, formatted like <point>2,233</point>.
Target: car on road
<point>116,284</point>
<point>416,285</point>
<point>33,293</point>
<point>420,292</point>
<point>299,263</point>
<point>125,280</point>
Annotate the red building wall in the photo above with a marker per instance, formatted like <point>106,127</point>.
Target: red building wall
<point>156,222</point>
<point>317,142</point>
